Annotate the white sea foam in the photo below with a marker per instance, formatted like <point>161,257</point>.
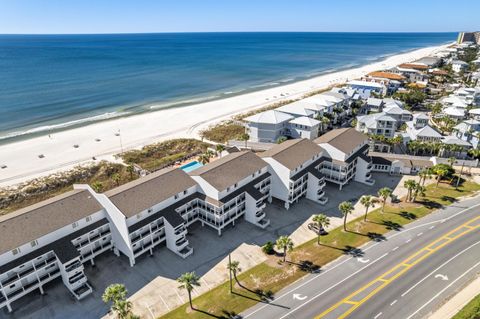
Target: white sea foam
<point>53,127</point>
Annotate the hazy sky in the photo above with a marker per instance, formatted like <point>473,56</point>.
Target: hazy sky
<point>114,16</point>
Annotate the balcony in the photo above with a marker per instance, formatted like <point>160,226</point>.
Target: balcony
<point>74,266</point>
<point>259,215</point>
<point>181,243</point>
<point>185,252</point>
<point>263,223</point>
<point>323,200</point>
<point>261,205</point>
<point>320,194</point>
<point>180,231</point>
<point>82,291</point>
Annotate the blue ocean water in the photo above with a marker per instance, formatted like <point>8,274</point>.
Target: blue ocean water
<point>50,82</point>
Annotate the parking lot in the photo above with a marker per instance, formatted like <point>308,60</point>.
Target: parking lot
<point>151,282</point>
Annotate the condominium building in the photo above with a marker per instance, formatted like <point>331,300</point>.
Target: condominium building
<point>55,238</point>
<point>50,240</point>
<point>295,169</point>
<point>345,157</point>
<point>235,185</point>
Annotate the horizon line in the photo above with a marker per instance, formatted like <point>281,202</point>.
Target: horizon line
<point>199,32</point>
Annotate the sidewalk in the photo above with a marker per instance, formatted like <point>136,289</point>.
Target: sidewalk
<point>457,302</point>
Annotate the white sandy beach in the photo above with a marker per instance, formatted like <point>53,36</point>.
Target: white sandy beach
<point>22,158</point>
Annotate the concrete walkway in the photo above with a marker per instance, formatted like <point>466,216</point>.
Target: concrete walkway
<point>457,302</point>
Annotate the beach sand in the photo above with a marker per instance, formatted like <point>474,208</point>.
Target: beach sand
<point>22,157</point>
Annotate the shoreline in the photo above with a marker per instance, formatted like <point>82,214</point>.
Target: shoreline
<point>23,163</point>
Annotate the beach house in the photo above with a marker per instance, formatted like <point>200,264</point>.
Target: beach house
<point>295,169</point>
<point>268,126</point>
<point>459,66</point>
<point>365,88</point>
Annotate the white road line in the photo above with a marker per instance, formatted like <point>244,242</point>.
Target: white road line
<point>288,293</point>
<point>206,283</point>
<point>419,234</point>
<point>395,248</point>
<point>434,271</point>
<point>393,302</point>
<point>331,287</point>
<point>378,315</point>
<point>151,312</point>
<point>408,240</point>
<point>441,291</point>
<point>432,227</point>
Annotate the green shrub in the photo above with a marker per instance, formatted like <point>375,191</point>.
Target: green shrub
<point>268,248</point>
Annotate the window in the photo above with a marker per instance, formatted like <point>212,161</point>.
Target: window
<point>185,192</point>
<point>74,225</point>
<point>235,185</point>
<point>34,243</point>
<point>228,189</point>
<point>149,210</point>
<point>16,251</point>
<point>88,218</point>
<point>176,196</point>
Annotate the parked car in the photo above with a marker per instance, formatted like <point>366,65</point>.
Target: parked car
<point>314,227</point>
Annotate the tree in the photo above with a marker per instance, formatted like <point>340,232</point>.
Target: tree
<point>322,222</point>
<point>452,161</point>
<point>97,186</point>
<point>418,190</point>
<point>345,208</point>
<point>131,170</point>
<point>219,148</point>
<point>383,193</point>
<point>117,295</point>
<point>234,268</point>
<point>441,173</point>
<point>475,153</point>
<point>284,243</point>
<point>245,137</point>
<point>116,178</point>
<point>410,186</point>
<point>424,174</point>
<point>188,281</point>
<point>281,139</point>
<point>367,202</point>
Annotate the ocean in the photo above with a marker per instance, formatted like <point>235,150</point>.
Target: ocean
<point>53,82</point>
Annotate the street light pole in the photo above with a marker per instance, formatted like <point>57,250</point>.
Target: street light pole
<point>121,144</point>
<point>230,271</point>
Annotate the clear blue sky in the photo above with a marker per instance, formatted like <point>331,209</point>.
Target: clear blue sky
<point>122,16</point>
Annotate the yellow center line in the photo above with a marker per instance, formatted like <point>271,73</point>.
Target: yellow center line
<point>405,265</point>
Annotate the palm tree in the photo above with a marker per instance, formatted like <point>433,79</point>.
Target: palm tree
<point>117,295</point>
<point>475,153</point>
<point>131,170</point>
<point>234,268</point>
<point>418,190</point>
<point>440,172</point>
<point>284,243</point>
<point>367,202</point>
<point>219,148</point>
<point>346,208</point>
<point>322,222</point>
<point>410,186</point>
<point>204,158</point>
<point>116,178</point>
<point>97,186</point>
<point>383,193</point>
<point>187,281</point>
<point>245,137</point>
<point>451,161</point>
<point>424,174</point>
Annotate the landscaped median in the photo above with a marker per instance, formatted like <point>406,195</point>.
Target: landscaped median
<point>470,311</point>
<point>259,283</point>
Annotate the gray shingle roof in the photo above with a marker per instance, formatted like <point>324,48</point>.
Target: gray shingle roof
<point>230,169</point>
<point>35,221</point>
<point>293,153</point>
<point>143,193</point>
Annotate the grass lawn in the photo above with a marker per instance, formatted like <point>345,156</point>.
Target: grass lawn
<point>259,283</point>
<point>470,311</point>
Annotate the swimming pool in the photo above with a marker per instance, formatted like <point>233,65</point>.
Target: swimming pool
<point>191,166</point>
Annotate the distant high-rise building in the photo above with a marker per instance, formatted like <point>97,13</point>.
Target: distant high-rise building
<point>469,37</point>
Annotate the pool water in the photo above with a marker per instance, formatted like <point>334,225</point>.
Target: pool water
<point>191,166</point>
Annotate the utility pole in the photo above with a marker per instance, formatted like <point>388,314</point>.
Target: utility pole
<point>121,144</point>
<point>460,176</point>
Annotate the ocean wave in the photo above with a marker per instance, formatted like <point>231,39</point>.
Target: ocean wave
<point>184,102</point>
<point>59,126</point>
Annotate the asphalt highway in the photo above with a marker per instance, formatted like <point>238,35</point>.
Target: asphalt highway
<point>405,275</point>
